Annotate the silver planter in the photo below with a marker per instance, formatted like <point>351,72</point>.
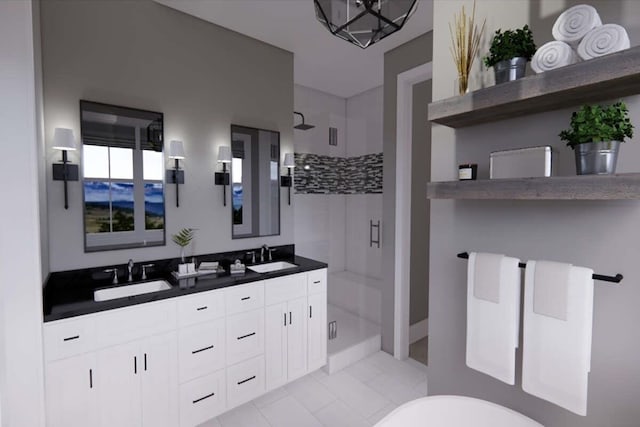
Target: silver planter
<point>597,158</point>
<point>510,69</point>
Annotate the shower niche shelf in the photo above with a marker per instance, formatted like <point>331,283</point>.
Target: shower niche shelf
<point>608,77</point>
<point>582,187</point>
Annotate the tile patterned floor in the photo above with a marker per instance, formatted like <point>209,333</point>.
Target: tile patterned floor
<point>358,396</point>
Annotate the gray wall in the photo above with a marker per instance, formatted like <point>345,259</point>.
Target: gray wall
<point>202,77</point>
<point>420,174</point>
<point>409,55</point>
<point>602,235</point>
<point>21,364</point>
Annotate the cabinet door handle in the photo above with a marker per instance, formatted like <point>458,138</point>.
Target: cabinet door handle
<point>71,338</point>
<point>135,364</point>
<point>245,298</point>
<point>247,380</point>
<point>285,319</point>
<point>204,397</point>
<point>290,322</point>
<point>316,282</point>
<point>246,336</point>
<point>310,311</point>
<point>201,308</point>
<point>145,361</point>
<point>90,378</point>
<point>202,349</point>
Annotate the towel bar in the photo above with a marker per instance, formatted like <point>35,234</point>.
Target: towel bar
<point>613,279</point>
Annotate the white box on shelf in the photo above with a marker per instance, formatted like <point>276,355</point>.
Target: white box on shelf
<point>521,163</point>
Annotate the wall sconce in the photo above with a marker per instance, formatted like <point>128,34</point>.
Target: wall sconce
<point>287,181</point>
<point>63,140</point>
<point>175,175</point>
<point>222,178</point>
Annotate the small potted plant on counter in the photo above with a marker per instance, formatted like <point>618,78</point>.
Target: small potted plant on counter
<point>509,53</point>
<point>595,135</point>
<point>182,239</point>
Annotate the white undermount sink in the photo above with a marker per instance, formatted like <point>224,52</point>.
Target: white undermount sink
<point>130,290</point>
<point>272,266</point>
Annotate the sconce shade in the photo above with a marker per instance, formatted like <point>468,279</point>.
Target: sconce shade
<point>224,154</point>
<point>176,150</point>
<point>288,161</point>
<point>63,139</point>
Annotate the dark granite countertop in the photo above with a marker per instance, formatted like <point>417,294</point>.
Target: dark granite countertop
<point>70,293</point>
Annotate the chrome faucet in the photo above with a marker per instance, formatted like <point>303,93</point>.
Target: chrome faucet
<point>262,252</point>
<point>115,275</point>
<point>130,268</point>
<point>144,270</point>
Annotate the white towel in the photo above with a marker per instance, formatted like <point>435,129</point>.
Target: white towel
<point>557,353</point>
<point>492,328</point>
<point>553,55</point>
<point>603,40</point>
<point>574,23</point>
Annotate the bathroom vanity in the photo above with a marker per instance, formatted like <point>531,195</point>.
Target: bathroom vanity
<point>179,356</point>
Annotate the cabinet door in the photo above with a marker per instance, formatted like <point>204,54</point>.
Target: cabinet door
<point>118,383</point>
<point>71,392</point>
<point>296,338</point>
<point>276,318</point>
<point>159,377</point>
<point>317,327</point>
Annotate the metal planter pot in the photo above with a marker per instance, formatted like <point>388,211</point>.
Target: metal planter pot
<point>597,158</point>
<point>510,69</point>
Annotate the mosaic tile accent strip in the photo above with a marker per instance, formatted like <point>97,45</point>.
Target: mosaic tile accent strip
<point>317,174</point>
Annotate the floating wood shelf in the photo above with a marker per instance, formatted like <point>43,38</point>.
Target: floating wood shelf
<point>605,78</point>
<point>584,187</point>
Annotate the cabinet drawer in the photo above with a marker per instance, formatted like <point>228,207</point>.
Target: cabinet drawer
<point>317,281</point>
<point>66,338</point>
<point>202,399</point>
<point>245,381</point>
<point>245,336</point>
<point>244,297</point>
<point>132,323</point>
<point>200,307</point>
<point>201,349</point>
<point>285,288</point>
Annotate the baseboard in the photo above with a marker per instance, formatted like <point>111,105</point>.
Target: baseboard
<point>419,330</point>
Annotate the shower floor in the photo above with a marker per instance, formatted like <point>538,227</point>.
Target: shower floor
<point>357,338</point>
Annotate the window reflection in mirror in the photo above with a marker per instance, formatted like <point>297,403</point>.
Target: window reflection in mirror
<point>123,185</point>
<point>255,188</point>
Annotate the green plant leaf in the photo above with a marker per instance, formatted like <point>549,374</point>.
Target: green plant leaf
<point>183,237</point>
<point>595,123</point>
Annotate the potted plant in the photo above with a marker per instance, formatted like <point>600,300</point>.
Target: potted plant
<point>595,135</point>
<point>509,53</point>
<point>182,239</point>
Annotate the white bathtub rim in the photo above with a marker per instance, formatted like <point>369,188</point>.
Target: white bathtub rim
<point>388,420</point>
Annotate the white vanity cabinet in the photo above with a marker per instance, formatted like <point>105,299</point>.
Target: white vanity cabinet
<point>317,319</point>
<point>94,380</point>
<point>184,360</point>
<point>285,329</point>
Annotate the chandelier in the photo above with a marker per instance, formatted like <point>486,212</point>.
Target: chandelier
<point>364,22</point>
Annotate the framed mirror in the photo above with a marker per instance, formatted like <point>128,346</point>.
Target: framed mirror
<point>122,177</point>
<point>255,182</point>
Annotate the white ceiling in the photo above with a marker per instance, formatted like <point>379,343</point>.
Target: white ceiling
<point>321,60</point>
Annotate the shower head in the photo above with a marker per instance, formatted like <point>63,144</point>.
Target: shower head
<point>302,126</point>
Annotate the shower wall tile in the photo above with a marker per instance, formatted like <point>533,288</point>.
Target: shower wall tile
<point>318,174</point>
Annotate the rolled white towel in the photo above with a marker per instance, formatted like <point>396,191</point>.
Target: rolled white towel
<point>574,23</point>
<point>553,55</point>
<point>603,40</point>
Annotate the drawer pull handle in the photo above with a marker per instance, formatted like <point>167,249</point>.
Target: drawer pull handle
<point>246,336</point>
<point>201,308</point>
<point>316,282</point>
<point>245,298</point>
<point>310,312</point>
<point>71,338</point>
<point>145,361</point>
<point>202,349</point>
<point>204,397</point>
<point>90,378</point>
<point>248,379</point>
<point>135,364</point>
<point>285,319</point>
